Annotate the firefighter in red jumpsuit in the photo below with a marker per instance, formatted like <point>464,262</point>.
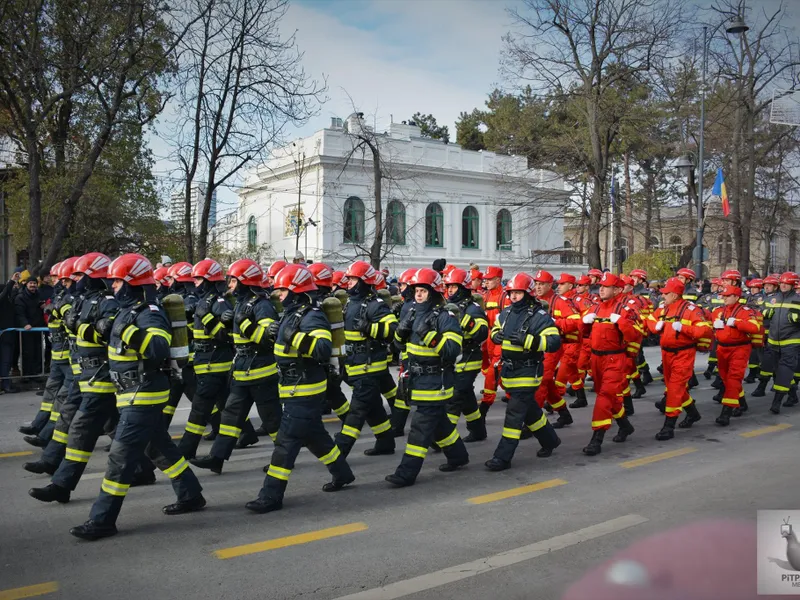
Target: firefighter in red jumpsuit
<point>681,324</point>
<point>495,302</point>
<point>610,325</point>
<point>583,300</point>
<point>639,307</point>
<point>568,367</point>
<point>734,325</point>
<point>568,321</point>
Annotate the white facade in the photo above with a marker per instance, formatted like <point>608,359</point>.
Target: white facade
<point>177,207</point>
<point>426,177</point>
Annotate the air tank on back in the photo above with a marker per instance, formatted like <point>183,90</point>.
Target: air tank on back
<point>179,346</point>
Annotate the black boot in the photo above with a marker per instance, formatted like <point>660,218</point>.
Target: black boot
<point>595,445</point>
<point>627,402</point>
<point>39,467</point>
<point>180,508</point>
<point>775,409</point>
<point>718,396</point>
<point>143,477</point>
<point>571,392</point>
<point>448,467</point>
<point>692,416</point>
<point>35,440</point>
<point>791,399</point>
<point>724,417</point>
<point>263,506</point>
<point>92,531</point>
<point>526,433</point>
<point>625,429</point>
<point>742,408</point>
<point>761,390</point>
<point>709,371</point>
<point>752,375</point>
<point>210,436</point>
<point>247,438</point>
<point>580,401</point>
<point>210,462</point>
<point>667,430</point>
<point>496,464</point>
<point>717,383</point>
<point>484,408</point>
<point>693,383</point>
<point>640,389</point>
<point>477,431</point>
<point>336,484</point>
<point>50,493</point>
<point>564,419</point>
<point>660,369</point>
<point>398,481</point>
<point>381,447</point>
<point>647,377</point>
<point>544,452</point>
<point>661,405</point>
<point>28,430</point>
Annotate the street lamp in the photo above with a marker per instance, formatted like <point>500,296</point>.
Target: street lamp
<point>734,26</point>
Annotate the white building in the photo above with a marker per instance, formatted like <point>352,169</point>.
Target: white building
<point>177,207</point>
<point>438,201</point>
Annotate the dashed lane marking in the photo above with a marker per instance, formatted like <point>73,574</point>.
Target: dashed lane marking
<point>30,591</point>
<point>292,540</point>
<point>517,491</point>
<point>436,579</point>
<point>763,430</point>
<point>630,464</point>
<point>13,454</point>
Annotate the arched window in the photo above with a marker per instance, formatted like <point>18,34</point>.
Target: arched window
<point>654,243</point>
<point>353,220</point>
<point>676,245</point>
<point>566,256</point>
<point>434,225</point>
<point>503,229</point>
<point>396,223</point>
<point>252,233</point>
<point>469,227</point>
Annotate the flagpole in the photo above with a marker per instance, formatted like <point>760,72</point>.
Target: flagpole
<point>613,260</point>
<point>701,161</point>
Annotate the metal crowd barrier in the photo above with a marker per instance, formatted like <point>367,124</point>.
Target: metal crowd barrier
<point>42,330</point>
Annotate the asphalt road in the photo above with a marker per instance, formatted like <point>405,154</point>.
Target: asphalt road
<point>528,532</point>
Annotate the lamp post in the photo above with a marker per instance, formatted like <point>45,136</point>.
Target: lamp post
<point>735,26</point>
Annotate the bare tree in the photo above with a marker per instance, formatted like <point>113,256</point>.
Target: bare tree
<point>242,84</point>
<point>584,48</point>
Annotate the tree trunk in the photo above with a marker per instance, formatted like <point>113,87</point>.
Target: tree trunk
<point>629,205</point>
<point>648,208</point>
<point>35,201</point>
<point>749,197</point>
<point>616,256</point>
<point>187,220</point>
<point>377,175</point>
<point>202,236</point>
<point>584,213</point>
<point>593,233</point>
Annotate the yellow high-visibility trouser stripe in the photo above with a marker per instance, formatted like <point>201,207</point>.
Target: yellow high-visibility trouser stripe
<point>473,416</point>
<point>602,423</point>
<point>511,433</point>
<point>77,455</point>
<point>230,431</point>
<point>417,451</point>
<point>168,410</point>
<point>176,469</point>
<point>195,428</point>
<point>46,406</point>
<point>114,488</point>
<point>431,395</point>
<point>54,415</point>
<point>331,456</point>
<point>541,422</point>
<point>449,440</point>
<point>350,431</point>
<point>385,426</point>
<point>60,436</point>
<point>343,409</point>
<point>401,404</point>
<point>453,418</point>
<point>279,473</point>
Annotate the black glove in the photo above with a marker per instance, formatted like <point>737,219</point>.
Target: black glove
<point>405,326</point>
<point>201,310</point>
<point>497,337</point>
<point>291,329</point>
<point>71,321</point>
<point>103,328</point>
<point>244,313</point>
<point>272,330</point>
<point>516,338</point>
<point>226,318</point>
<point>362,326</point>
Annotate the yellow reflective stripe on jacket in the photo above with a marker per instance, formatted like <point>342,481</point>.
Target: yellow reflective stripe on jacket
<point>375,367</point>
<point>204,368</point>
<point>303,389</point>
<point>511,347</point>
<point>59,354</point>
<point>84,344</point>
<point>97,387</point>
<point>417,350</point>
<point>285,351</point>
<point>151,333</point>
<point>142,398</point>
<point>521,382</point>
<point>76,368</point>
<point>258,373</point>
<point>354,336</point>
<point>127,355</point>
<point>431,395</point>
<point>473,365</point>
<point>261,328</point>
<point>449,335</point>
<point>240,339</point>
<point>788,342</point>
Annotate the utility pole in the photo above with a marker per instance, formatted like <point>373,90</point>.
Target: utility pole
<point>299,168</point>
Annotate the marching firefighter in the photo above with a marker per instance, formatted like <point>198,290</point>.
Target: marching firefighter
<point>475,330</point>
<point>302,341</point>
<point>642,293</point>
<point>783,312</point>
<point>211,325</point>
<point>755,301</point>
<point>369,325</point>
<point>555,379</point>
<point>766,368</point>
<point>495,301</point>
<point>610,325</point>
<point>583,301</point>
<point>681,324</point>
<point>138,352</point>
<point>594,281</point>
<point>433,339</point>
<point>401,408</point>
<point>525,332</point>
<point>688,277</point>
<point>734,324</point>
<point>255,372</point>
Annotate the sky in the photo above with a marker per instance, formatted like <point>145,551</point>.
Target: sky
<point>392,58</point>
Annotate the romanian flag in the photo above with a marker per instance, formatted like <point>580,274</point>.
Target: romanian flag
<point>722,191</point>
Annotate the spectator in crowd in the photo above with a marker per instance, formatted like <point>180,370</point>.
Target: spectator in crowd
<point>30,314</point>
<point>46,288</point>
<point>8,339</point>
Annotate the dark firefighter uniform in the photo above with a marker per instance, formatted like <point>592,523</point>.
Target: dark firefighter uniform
<point>525,332</point>
<point>433,343</point>
<point>401,408</point>
<point>255,377</point>
<point>783,312</point>
<point>475,331</point>
<point>138,352</point>
<point>303,350</point>
<point>767,366</point>
<point>369,325</point>
<point>213,360</point>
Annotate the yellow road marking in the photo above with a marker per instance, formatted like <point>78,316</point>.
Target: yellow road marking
<point>30,591</point>
<point>656,457</point>
<point>292,540</point>
<point>763,430</point>
<point>330,420</point>
<point>517,491</point>
<point>12,454</point>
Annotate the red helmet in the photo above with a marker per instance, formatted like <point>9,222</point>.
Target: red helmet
<point>323,274</point>
<point>362,270</point>
<point>583,280</point>
<point>407,276</point>
<point>716,281</point>
<point>674,286</point>
<point>755,283</point>
<point>610,280</point>
<point>640,273</point>
<point>337,277</point>
<point>790,277</point>
<point>595,273</point>
<point>247,271</point>
<point>54,270</point>
<point>94,265</point>
<point>458,277</point>
<point>67,267</point>
<point>430,278</point>
<point>295,278</point>
<point>543,277</point>
<point>209,270</point>
<point>688,273</point>
<point>132,268</point>
<point>772,279</point>
<point>160,275</point>
<point>730,290</point>
<point>276,267</point>
<point>626,280</point>
<point>181,271</point>
<point>731,274</point>
<point>522,282</point>
<point>380,281</point>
